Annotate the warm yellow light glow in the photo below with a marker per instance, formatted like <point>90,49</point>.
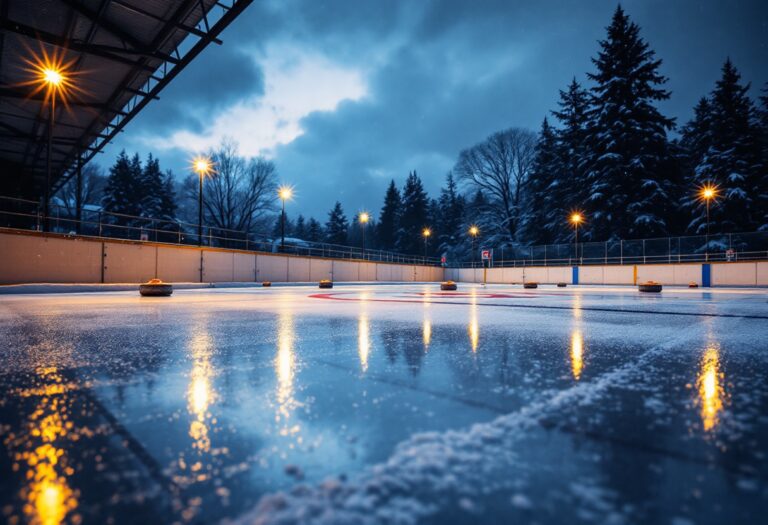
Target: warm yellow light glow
<point>200,393</point>
<point>711,391</point>
<point>202,166</point>
<point>285,360</point>
<point>53,77</point>
<point>363,341</point>
<point>576,218</point>
<point>577,354</point>
<point>474,230</point>
<point>51,74</point>
<point>49,500</point>
<point>285,193</point>
<point>426,333</point>
<point>708,192</point>
<point>577,306</point>
<point>473,329</point>
<point>285,371</point>
<point>427,232</point>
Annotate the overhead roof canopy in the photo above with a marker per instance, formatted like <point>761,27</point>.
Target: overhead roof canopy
<point>119,54</point>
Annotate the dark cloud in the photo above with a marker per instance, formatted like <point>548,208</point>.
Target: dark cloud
<point>441,76</point>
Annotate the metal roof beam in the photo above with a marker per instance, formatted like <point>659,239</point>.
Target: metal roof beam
<point>168,74</point>
<point>139,48</point>
<point>107,52</point>
<point>189,29</point>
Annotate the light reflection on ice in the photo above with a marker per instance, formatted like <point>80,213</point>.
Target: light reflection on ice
<point>710,388</point>
<point>363,340</point>
<point>474,328</point>
<point>284,364</point>
<point>577,354</point>
<point>426,333</point>
<point>49,499</point>
<point>200,394</point>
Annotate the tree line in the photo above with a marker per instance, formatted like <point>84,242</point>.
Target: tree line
<point>610,154</point>
<point>606,151</point>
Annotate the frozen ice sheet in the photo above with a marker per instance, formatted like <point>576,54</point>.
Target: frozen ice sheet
<point>390,403</point>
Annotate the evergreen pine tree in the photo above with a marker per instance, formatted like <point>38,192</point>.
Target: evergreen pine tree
<point>762,181</point>
<point>168,206</point>
<point>449,226</point>
<point>300,228</point>
<point>628,194</point>
<point>389,216</point>
<point>152,188</point>
<point>732,158</point>
<point>277,229</point>
<point>414,216</point>
<point>544,216</point>
<point>314,231</point>
<point>696,137</point>
<point>476,214</point>
<point>568,188</point>
<point>124,193</point>
<point>337,226</point>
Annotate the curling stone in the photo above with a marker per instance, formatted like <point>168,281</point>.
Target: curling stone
<point>649,287</point>
<point>448,286</point>
<point>326,283</point>
<point>693,285</point>
<point>155,288</point>
<point>561,285</point>
<point>266,283</point>
<point>530,285</point>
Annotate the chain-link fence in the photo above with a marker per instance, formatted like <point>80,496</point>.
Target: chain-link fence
<point>696,248</point>
<point>27,215</point>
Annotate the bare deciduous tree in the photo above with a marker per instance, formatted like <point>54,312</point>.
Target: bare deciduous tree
<point>93,182</point>
<point>500,167</point>
<point>239,192</point>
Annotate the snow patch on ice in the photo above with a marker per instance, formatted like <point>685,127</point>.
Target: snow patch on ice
<point>433,471</point>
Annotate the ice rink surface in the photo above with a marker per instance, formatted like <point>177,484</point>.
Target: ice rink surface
<point>385,404</point>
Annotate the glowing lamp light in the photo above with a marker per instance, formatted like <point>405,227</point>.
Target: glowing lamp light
<point>576,218</point>
<point>427,232</point>
<point>202,166</point>
<point>474,230</point>
<point>52,77</point>
<point>364,217</point>
<point>708,192</point>
<point>285,193</point>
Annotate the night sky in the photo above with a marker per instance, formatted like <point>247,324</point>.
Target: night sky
<point>345,95</point>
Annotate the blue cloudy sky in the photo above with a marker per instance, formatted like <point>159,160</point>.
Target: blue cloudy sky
<point>345,95</point>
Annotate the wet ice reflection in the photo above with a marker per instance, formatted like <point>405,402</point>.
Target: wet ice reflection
<point>577,354</point>
<point>710,388</point>
<point>200,394</point>
<point>48,498</point>
<point>474,328</point>
<point>426,333</point>
<point>285,370</point>
<point>363,341</point>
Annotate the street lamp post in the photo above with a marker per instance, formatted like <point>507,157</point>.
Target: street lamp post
<point>473,231</point>
<point>53,79</point>
<point>202,166</point>
<point>576,219</point>
<point>426,233</point>
<point>364,218</point>
<point>285,193</point>
<point>707,193</point>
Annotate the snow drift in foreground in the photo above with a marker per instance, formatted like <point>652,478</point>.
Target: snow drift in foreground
<point>432,472</point>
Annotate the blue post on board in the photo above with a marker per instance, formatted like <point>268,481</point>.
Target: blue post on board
<point>706,275</point>
<point>575,275</point>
